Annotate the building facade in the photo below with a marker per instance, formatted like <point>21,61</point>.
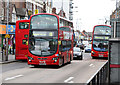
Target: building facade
<point>62,6</point>
<point>19,10</point>
<point>115,22</point>
<point>71,10</point>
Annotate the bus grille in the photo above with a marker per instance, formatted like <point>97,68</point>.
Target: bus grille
<point>42,58</point>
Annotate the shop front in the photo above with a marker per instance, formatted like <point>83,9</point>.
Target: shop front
<point>11,40</point>
<point>2,34</point>
<point>2,40</point>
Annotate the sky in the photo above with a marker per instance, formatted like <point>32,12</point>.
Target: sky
<point>91,12</point>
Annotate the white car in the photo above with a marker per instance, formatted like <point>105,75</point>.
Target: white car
<point>77,53</point>
<point>88,48</point>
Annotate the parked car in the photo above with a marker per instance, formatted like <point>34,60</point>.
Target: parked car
<point>88,48</point>
<point>80,45</point>
<point>77,53</point>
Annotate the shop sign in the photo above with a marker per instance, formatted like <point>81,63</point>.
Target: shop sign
<point>2,29</point>
<point>7,36</point>
<point>11,29</point>
<point>36,11</point>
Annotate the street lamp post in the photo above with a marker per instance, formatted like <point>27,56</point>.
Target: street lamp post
<point>6,59</point>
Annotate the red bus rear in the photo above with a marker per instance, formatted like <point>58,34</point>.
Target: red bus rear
<point>48,45</point>
<point>21,39</point>
<point>101,34</point>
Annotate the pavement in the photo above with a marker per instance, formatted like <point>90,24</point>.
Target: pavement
<point>11,58</point>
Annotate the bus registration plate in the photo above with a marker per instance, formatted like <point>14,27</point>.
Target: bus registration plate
<point>42,63</point>
<point>100,55</point>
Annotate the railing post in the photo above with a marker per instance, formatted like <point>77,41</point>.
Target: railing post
<point>98,77</point>
<point>101,76</point>
<point>94,80</point>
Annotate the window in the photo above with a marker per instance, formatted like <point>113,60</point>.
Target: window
<point>65,29</point>
<point>24,41</point>
<point>102,30</point>
<point>68,45</point>
<point>44,22</point>
<point>65,45</point>
<point>23,25</point>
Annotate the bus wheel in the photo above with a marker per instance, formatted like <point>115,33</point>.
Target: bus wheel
<point>70,60</point>
<point>60,62</point>
<point>63,60</point>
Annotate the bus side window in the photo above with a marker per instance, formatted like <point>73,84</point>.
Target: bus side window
<point>63,46</point>
<point>68,45</point>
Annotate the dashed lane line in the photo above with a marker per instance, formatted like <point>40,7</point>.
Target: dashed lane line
<point>68,80</point>
<point>10,78</point>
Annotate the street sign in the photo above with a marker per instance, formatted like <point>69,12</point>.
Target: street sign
<point>7,36</point>
<point>36,11</point>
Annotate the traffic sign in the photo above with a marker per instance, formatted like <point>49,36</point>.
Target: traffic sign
<point>36,11</point>
<point>7,36</point>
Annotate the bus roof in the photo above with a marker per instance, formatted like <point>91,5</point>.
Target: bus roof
<point>23,21</point>
<point>53,15</point>
<point>102,25</point>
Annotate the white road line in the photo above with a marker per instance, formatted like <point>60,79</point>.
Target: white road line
<point>91,65</point>
<point>71,82</point>
<point>66,81</point>
<point>13,77</point>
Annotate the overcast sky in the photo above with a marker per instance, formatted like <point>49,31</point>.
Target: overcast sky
<point>92,12</point>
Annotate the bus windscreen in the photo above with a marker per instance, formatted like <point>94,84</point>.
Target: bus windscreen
<point>102,30</point>
<point>44,22</point>
<point>43,35</point>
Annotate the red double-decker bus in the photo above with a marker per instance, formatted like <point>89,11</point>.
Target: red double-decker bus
<point>100,37</point>
<point>21,39</point>
<point>49,42</point>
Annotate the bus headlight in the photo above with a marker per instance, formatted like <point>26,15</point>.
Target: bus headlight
<point>93,52</point>
<point>30,59</point>
<point>55,59</point>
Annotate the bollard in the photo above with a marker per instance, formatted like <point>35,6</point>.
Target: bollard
<point>114,61</point>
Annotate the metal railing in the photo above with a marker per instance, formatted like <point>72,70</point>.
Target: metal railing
<point>100,77</point>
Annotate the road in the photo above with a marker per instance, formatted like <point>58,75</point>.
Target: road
<point>79,71</point>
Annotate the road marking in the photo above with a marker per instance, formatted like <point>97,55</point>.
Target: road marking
<point>13,77</point>
<point>77,61</point>
<point>91,65</point>
<point>66,81</point>
<point>71,82</point>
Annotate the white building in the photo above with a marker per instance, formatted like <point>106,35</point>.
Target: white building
<point>59,4</point>
<point>48,6</point>
<point>35,6</point>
